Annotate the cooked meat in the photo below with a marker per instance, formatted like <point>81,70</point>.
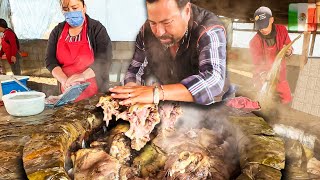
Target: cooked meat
<point>142,118</point>
<point>120,148</point>
<point>115,143</point>
<point>150,162</point>
<point>313,166</point>
<point>97,164</point>
<point>197,154</point>
<point>169,114</point>
<point>110,107</point>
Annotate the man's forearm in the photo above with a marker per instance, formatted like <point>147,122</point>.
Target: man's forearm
<point>175,92</point>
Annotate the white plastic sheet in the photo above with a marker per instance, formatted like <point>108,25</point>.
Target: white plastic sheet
<point>34,19</point>
<point>122,18</point>
<point>5,11</point>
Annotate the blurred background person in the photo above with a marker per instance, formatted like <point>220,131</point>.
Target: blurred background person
<point>264,47</point>
<point>10,47</point>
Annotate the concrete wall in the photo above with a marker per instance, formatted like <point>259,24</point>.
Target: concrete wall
<point>33,64</point>
<point>122,55</point>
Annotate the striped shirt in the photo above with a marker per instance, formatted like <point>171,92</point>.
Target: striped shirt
<point>210,80</point>
<point>75,38</point>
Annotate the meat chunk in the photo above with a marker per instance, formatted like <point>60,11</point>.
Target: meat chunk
<point>197,154</point>
<point>115,143</point>
<point>142,118</point>
<point>169,114</point>
<point>110,107</point>
<point>97,164</point>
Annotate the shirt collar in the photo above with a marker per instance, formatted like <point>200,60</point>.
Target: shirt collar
<point>185,41</point>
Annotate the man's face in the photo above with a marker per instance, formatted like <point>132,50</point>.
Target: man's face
<point>168,23</point>
<point>268,29</point>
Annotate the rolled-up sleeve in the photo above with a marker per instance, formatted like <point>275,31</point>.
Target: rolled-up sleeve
<point>138,63</point>
<point>210,81</point>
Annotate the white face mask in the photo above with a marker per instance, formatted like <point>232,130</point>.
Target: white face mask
<point>1,34</point>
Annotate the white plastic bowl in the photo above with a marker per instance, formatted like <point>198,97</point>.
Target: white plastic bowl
<point>24,103</point>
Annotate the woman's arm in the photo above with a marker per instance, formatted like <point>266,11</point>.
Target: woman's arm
<point>51,60</point>
<point>60,76</point>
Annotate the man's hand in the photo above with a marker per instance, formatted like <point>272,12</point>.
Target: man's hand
<point>131,84</point>
<point>13,59</point>
<point>75,79</point>
<point>133,94</point>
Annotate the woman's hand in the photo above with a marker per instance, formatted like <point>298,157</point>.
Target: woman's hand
<point>75,79</point>
<point>131,95</point>
<point>60,76</point>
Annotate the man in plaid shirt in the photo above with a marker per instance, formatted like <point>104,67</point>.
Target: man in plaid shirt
<point>182,46</point>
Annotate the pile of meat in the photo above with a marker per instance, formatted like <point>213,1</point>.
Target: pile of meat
<point>142,118</point>
<point>127,152</point>
<point>197,154</point>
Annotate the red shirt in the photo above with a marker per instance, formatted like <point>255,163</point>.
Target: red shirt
<point>9,44</point>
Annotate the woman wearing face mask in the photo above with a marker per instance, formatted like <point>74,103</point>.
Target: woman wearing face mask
<point>79,50</point>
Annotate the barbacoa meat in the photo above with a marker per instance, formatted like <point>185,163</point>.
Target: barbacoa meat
<point>95,164</point>
<point>98,165</point>
<point>142,118</point>
<point>116,143</point>
<point>197,154</point>
<point>169,114</point>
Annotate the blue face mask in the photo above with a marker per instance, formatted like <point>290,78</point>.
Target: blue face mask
<point>74,18</point>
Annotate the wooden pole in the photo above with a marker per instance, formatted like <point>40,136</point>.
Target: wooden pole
<point>314,33</point>
<point>305,49</point>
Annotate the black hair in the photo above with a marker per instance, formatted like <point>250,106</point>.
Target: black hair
<point>3,23</point>
<point>180,3</point>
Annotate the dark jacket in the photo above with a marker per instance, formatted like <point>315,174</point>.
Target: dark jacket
<point>186,62</point>
<point>171,70</point>
<point>101,45</point>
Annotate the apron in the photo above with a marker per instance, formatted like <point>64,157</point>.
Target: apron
<point>75,58</point>
<point>283,87</point>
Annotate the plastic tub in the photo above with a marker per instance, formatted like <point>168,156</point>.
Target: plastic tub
<point>8,85</point>
<point>24,103</point>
